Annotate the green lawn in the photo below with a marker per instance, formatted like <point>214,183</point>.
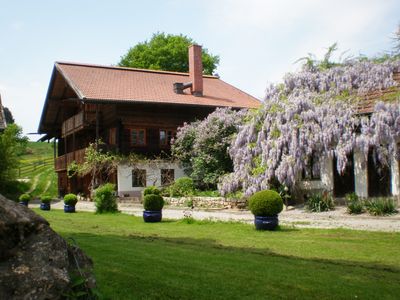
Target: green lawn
<point>215,260</point>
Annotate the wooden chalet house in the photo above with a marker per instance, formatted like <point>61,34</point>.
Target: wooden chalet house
<point>131,110</point>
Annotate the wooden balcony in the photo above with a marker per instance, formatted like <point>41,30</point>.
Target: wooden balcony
<point>78,122</point>
<point>62,162</point>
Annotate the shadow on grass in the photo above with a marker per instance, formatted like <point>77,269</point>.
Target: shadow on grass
<point>211,244</point>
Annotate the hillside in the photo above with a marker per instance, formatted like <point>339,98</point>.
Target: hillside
<point>37,169</point>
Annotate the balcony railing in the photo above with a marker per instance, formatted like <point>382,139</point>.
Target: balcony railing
<point>62,162</point>
<point>77,122</point>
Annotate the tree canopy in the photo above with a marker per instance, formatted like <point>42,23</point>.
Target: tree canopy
<point>12,144</point>
<point>166,52</point>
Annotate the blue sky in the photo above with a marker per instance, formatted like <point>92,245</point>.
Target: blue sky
<point>258,41</point>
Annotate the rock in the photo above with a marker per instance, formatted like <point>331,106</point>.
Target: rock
<point>35,262</point>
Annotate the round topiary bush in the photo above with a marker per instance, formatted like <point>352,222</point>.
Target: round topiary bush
<point>24,198</point>
<point>45,199</point>
<point>151,190</point>
<point>153,202</point>
<point>266,203</point>
<point>70,199</point>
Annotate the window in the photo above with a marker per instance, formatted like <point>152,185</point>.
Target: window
<point>166,135</point>
<point>138,178</point>
<point>138,137</point>
<point>167,176</point>
<point>312,170</point>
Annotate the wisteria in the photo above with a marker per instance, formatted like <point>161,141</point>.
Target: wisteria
<point>313,114</point>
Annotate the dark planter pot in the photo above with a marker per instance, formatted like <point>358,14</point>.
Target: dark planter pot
<point>25,203</point>
<point>69,208</point>
<point>266,223</point>
<point>152,216</point>
<point>45,206</point>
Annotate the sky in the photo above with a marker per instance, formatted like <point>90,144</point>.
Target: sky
<point>257,41</point>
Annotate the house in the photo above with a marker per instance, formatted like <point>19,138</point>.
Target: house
<point>131,110</point>
<point>366,178</point>
<point>2,117</point>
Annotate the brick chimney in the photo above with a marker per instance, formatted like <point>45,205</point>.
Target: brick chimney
<point>196,70</point>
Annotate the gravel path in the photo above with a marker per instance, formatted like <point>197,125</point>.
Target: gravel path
<point>298,217</point>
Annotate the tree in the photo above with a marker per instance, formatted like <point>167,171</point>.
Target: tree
<point>166,52</point>
<point>8,115</point>
<point>202,146</point>
<point>12,144</point>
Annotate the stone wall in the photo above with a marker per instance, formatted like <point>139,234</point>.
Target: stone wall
<point>206,202</point>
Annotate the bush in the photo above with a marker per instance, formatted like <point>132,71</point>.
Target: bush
<point>320,202</point>
<point>182,187</point>
<point>105,199</point>
<point>381,206</point>
<point>266,203</point>
<point>70,199</point>
<point>153,202</point>
<point>151,190</point>
<point>354,204</point>
<point>46,199</point>
<point>25,197</point>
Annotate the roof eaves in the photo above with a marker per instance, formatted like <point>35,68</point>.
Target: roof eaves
<point>70,82</point>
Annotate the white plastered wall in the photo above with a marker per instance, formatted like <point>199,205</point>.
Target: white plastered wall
<point>153,175</point>
<point>360,174</point>
<point>326,182</point>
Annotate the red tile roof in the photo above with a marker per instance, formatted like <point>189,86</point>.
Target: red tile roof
<point>367,103</point>
<point>102,83</point>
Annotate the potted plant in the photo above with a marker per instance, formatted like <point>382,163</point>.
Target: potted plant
<point>153,204</point>
<point>265,206</point>
<point>69,203</point>
<point>45,202</point>
<point>24,199</point>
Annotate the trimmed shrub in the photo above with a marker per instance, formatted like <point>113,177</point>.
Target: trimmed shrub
<point>25,197</point>
<point>266,203</point>
<point>46,199</point>
<point>70,199</point>
<point>381,206</point>
<point>354,204</point>
<point>105,199</point>
<point>153,202</point>
<point>320,202</point>
<point>182,187</point>
<point>151,190</point>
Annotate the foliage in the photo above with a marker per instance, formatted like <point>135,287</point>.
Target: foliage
<point>14,188</point>
<point>70,199</point>
<point>46,199</point>
<point>354,204</point>
<point>151,190</point>
<point>12,144</point>
<point>182,187</point>
<point>25,197</point>
<point>320,202</point>
<point>312,114</point>
<point>124,250</point>
<point>266,203</point>
<point>98,163</point>
<point>202,146</point>
<point>166,52</point>
<point>381,206</point>
<point>153,202</point>
<point>105,199</point>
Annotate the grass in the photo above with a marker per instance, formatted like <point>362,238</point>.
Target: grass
<point>216,260</point>
<point>42,178</point>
